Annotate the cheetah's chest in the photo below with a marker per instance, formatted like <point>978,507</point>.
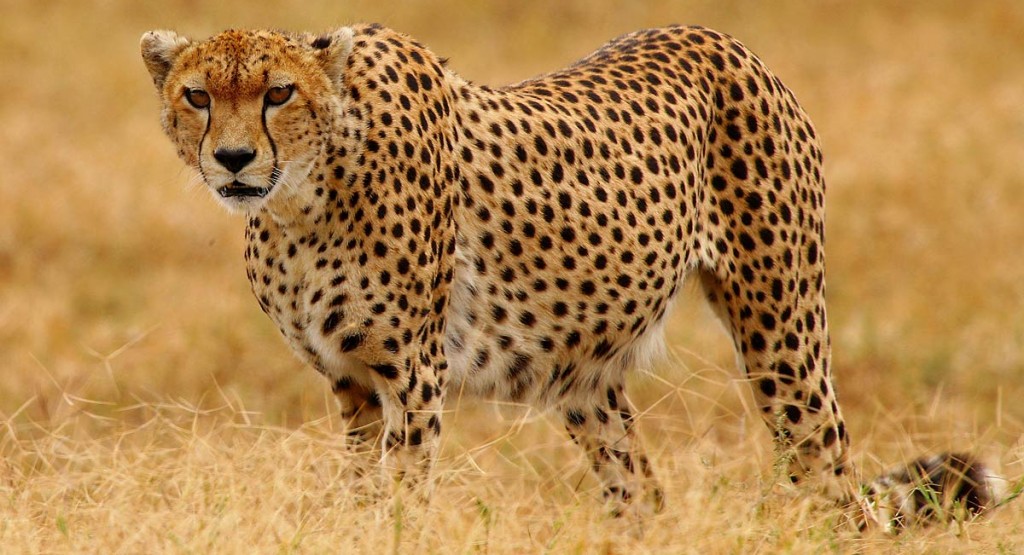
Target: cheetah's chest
<point>299,291</point>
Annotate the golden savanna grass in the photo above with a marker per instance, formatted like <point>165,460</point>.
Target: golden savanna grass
<point>148,406</point>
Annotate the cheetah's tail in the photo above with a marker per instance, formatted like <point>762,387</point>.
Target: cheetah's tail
<point>943,488</point>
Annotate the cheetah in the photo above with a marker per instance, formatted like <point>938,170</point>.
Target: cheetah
<point>414,235</point>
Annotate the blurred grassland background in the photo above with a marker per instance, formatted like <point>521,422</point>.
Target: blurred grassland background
<point>148,405</point>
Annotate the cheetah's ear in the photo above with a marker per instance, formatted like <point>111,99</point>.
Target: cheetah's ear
<point>159,50</point>
<point>332,50</point>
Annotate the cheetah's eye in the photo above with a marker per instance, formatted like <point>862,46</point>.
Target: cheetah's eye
<point>198,98</point>
<point>277,96</point>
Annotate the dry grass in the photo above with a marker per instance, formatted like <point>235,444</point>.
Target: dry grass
<point>148,406</point>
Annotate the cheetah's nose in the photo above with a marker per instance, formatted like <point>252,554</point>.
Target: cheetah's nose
<point>234,159</point>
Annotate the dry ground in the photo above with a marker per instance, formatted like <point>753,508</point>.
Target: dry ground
<point>148,406</point>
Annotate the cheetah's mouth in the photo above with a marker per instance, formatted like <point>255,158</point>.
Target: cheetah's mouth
<point>239,189</point>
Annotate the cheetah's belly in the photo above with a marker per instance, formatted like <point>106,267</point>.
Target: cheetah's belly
<point>510,361</point>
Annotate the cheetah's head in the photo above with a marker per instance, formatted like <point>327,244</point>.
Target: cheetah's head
<point>248,109</point>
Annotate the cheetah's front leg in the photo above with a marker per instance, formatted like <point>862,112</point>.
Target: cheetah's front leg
<point>411,400</point>
<point>361,415</point>
<point>604,426</point>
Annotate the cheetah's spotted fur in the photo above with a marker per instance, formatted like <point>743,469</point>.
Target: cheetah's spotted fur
<point>413,234</point>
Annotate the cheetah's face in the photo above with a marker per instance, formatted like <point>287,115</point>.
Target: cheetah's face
<point>240,106</point>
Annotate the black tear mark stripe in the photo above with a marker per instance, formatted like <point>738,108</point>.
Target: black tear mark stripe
<point>270,139</point>
<point>199,154</point>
